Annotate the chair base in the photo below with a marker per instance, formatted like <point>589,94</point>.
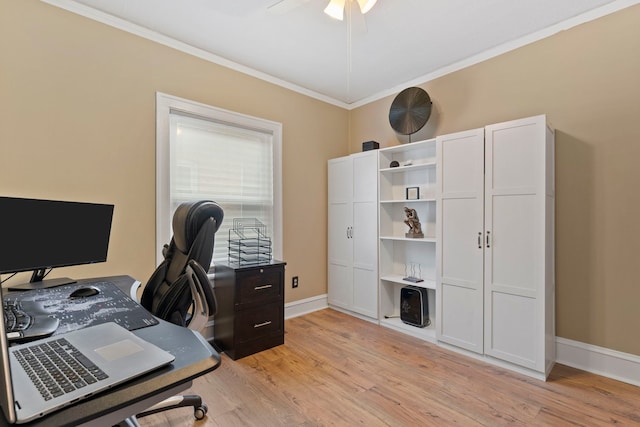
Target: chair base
<point>200,408</point>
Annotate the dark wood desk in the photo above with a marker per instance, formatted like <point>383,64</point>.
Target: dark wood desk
<point>194,357</point>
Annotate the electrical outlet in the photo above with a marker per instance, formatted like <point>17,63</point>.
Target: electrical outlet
<point>294,282</point>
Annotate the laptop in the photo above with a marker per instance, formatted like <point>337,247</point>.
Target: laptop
<point>105,355</point>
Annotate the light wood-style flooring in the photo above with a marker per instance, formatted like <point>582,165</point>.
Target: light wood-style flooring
<point>336,370</point>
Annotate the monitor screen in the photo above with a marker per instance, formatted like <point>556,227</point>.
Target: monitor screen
<point>41,234</point>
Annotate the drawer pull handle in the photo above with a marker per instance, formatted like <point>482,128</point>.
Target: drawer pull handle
<point>260,325</point>
<point>259,288</point>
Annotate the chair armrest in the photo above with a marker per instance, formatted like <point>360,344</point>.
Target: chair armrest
<point>204,303</point>
<point>133,291</point>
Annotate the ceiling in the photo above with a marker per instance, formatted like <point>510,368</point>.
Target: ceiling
<point>399,43</point>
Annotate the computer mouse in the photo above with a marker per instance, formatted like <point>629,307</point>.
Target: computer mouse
<point>84,292</point>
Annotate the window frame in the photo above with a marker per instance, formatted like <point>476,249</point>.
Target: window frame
<point>167,104</point>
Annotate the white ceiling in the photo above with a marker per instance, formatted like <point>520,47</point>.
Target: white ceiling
<point>399,43</point>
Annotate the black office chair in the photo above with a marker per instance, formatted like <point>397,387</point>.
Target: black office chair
<point>179,290</point>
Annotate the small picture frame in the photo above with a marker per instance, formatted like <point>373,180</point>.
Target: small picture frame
<point>413,193</point>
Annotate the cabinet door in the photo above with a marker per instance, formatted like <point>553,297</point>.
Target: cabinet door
<point>460,234</point>
<point>365,256</point>
<point>339,241</point>
<point>365,177</point>
<point>514,252</point>
<point>340,187</point>
<point>340,215</point>
<point>365,233</point>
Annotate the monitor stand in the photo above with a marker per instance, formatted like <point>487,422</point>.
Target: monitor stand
<point>38,282</point>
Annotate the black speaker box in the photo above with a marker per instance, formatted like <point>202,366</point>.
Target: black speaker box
<point>370,145</point>
<point>414,306</point>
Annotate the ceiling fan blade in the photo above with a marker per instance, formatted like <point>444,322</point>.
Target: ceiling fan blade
<point>366,5</point>
<point>283,6</point>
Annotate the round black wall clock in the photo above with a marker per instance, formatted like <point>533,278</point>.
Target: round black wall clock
<point>410,111</point>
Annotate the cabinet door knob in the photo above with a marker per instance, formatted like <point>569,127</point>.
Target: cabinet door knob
<point>488,244</point>
<point>259,288</point>
<point>480,240</point>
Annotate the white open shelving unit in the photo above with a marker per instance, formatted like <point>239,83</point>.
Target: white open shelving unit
<point>417,168</point>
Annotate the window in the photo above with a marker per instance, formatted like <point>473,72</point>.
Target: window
<point>208,153</point>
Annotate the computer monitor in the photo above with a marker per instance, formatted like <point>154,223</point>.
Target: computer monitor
<point>38,235</point>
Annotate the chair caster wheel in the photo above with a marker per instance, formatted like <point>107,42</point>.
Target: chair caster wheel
<point>201,411</point>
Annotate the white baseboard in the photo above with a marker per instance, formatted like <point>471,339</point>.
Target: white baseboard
<point>304,306</point>
<point>613,364</point>
<point>354,314</point>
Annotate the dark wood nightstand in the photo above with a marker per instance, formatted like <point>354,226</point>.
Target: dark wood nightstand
<point>250,315</point>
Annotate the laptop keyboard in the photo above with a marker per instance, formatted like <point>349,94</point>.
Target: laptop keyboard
<point>15,319</point>
<point>56,367</point>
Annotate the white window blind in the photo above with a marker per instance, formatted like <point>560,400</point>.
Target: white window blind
<point>225,163</point>
<point>205,153</point>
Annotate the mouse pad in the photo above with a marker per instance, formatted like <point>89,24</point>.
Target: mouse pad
<point>110,305</point>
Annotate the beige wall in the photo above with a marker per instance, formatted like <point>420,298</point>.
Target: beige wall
<point>77,122</point>
<point>587,80</point>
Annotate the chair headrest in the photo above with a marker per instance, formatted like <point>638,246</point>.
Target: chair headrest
<point>189,218</point>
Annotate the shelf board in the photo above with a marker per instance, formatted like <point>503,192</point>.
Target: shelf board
<point>428,333</point>
<point>408,168</point>
<point>409,239</point>
<point>407,201</point>
<point>394,278</point>
<point>408,147</point>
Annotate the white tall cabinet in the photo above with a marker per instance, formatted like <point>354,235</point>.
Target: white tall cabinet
<point>352,233</point>
<point>495,258</point>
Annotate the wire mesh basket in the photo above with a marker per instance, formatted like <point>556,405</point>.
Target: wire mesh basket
<point>248,242</point>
